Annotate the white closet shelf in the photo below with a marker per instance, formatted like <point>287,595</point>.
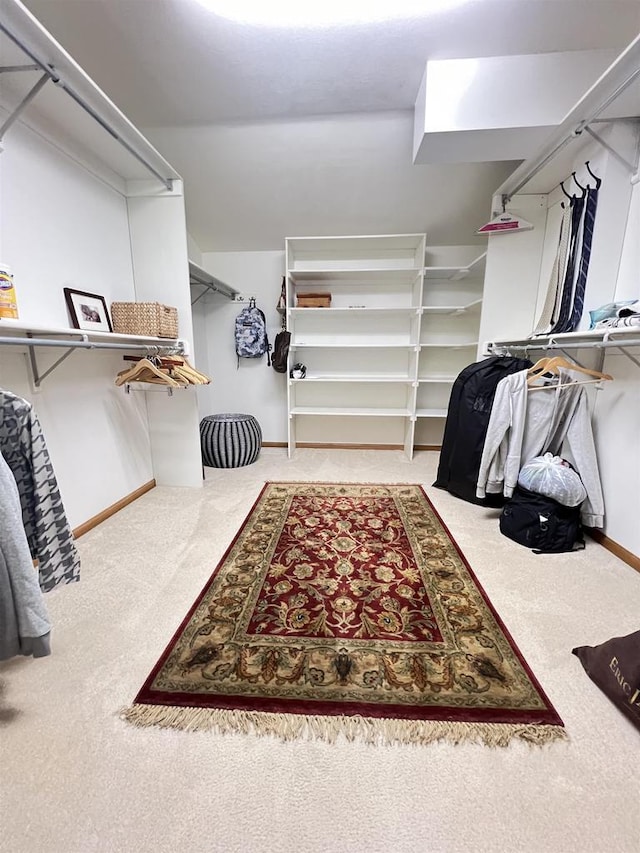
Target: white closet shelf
<point>198,276</point>
<point>33,335</point>
<point>20,328</point>
<point>452,309</point>
<point>440,380</point>
<point>600,340</point>
<point>364,311</point>
<point>350,276</point>
<point>356,377</point>
<point>431,413</point>
<point>349,410</point>
<point>351,345</point>
<point>464,345</point>
<point>456,273</point>
<point>594,338</point>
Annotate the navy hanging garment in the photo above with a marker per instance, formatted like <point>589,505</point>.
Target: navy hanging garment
<point>577,209</point>
<point>585,256</point>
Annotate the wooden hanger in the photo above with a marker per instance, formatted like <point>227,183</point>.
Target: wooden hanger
<point>145,371</point>
<point>189,372</point>
<point>553,365</point>
<point>538,368</point>
<point>172,370</point>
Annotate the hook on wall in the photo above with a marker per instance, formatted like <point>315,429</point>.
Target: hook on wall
<point>595,177</point>
<point>578,184</point>
<point>570,197</point>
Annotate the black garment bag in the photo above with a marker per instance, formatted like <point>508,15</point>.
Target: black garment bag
<point>466,426</point>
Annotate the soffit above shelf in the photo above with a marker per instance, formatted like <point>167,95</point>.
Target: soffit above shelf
<point>498,107</point>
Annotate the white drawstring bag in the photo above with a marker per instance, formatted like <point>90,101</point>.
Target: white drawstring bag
<point>553,477</point>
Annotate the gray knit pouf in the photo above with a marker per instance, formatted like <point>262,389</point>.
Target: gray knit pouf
<point>230,441</point>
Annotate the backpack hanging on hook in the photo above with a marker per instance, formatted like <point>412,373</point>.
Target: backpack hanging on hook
<point>280,356</point>
<point>251,333</point>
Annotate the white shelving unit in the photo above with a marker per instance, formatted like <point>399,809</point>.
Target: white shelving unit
<point>451,304</point>
<point>390,346</point>
<point>361,354</point>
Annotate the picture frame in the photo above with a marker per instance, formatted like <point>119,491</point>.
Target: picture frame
<point>88,311</point>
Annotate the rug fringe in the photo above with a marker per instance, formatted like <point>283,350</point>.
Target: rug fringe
<point>369,730</point>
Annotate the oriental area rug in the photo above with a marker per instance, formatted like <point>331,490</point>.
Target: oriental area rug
<point>346,610</point>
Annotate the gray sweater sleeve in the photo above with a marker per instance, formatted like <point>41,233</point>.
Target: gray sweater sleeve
<point>500,460</point>
<point>579,440</point>
<point>24,624</point>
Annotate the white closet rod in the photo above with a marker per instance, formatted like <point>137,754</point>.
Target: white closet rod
<point>71,345</point>
<point>561,345</point>
<point>213,285</point>
<point>54,74</point>
<point>615,80</point>
<point>620,345</point>
<point>177,347</point>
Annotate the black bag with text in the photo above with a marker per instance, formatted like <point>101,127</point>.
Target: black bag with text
<point>541,523</point>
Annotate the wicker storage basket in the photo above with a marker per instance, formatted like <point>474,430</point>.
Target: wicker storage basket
<point>144,318</point>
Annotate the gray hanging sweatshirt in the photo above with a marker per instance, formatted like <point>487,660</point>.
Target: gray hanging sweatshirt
<point>524,424</point>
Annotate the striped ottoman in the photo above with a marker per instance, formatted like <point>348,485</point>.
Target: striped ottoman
<point>229,441</point>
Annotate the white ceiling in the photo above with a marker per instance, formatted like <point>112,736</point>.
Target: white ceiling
<point>279,132</point>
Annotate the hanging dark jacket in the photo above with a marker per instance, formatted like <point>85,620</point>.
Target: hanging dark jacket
<point>466,426</point>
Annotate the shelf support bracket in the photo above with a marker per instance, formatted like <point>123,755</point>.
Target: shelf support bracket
<point>610,149</point>
<point>38,377</point>
<point>628,355</point>
<point>200,295</point>
<point>7,69</point>
<point>23,103</point>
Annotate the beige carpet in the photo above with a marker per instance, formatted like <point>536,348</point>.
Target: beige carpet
<point>74,777</point>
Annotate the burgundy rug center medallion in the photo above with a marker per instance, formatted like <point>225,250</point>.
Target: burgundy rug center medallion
<point>344,569</point>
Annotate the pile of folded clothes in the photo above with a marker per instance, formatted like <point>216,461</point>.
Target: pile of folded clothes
<point>614,315</point>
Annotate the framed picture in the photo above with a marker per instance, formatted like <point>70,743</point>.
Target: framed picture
<point>88,311</point>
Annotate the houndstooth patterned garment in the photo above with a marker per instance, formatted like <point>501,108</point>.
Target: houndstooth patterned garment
<point>50,538</point>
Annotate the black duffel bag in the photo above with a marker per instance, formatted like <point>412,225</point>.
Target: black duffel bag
<point>541,523</point>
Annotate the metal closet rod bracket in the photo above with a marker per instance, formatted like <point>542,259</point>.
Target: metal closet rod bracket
<point>84,343</point>
<point>49,72</point>
<point>27,98</point>
<point>608,342</point>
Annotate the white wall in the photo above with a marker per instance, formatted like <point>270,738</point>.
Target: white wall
<point>513,273</point>
<point>618,404</point>
<point>250,387</point>
<point>160,262</point>
<point>251,184</point>
<point>97,435</point>
<point>63,227</point>
<point>629,272</point>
